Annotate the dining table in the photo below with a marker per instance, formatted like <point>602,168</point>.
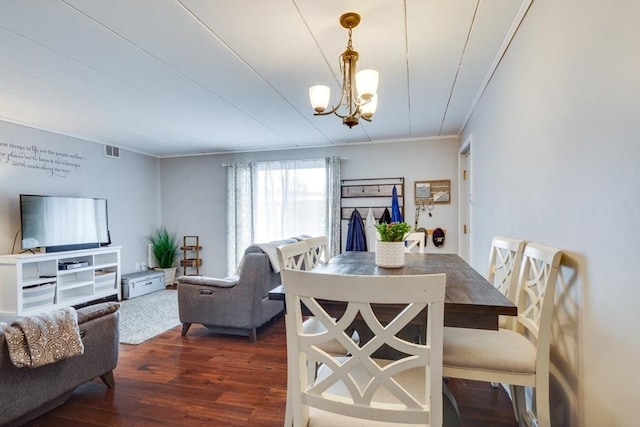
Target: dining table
<point>470,300</point>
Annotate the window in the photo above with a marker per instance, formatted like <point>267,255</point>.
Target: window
<point>281,199</point>
<point>289,199</point>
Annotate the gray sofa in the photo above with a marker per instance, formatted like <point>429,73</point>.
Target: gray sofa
<point>235,308</point>
<point>27,393</point>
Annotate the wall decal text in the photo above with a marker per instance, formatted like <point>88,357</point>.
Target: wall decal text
<point>52,162</point>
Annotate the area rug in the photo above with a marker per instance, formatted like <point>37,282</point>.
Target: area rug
<point>146,316</point>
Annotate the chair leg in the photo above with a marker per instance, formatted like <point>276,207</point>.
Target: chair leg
<point>519,403</point>
<point>253,337</point>
<point>450,411</point>
<point>288,416</point>
<point>543,415</point>
<point>185,328</point>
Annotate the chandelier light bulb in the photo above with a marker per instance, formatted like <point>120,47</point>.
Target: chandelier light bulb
<point>319,96</point>
<point>369,108</point>
<point>366,84</point>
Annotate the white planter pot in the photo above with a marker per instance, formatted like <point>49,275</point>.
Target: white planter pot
<point>169,275</point>
<point>389,254</point>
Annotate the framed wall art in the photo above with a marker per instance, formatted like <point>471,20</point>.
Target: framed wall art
<point>432,191</point>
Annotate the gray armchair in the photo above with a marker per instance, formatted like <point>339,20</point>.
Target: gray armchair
<point>235,307</point>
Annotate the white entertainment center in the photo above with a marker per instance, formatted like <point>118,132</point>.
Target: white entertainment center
<point>35,283</point>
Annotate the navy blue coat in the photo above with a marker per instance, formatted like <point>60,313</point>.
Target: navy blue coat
<point>356,240</point>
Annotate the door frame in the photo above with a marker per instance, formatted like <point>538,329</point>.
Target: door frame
<point>465,190</point>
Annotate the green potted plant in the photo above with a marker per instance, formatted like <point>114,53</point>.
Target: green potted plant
<point>390,246</point>
<point>164,247</point>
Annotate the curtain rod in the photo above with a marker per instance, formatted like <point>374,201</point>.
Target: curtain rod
<point>225,165</point>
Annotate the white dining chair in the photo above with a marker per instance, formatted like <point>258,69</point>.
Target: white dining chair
<point>294,256</point>
<point>318,250</point>
<point>505,259</point>
<point>414,240</point>
<point>519,356</point>
<point>361,390</point>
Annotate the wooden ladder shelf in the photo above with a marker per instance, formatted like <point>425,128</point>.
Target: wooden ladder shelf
<point>191,255</point>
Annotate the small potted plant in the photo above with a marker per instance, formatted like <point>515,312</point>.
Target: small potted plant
<point>164,247</point>
<point>390,247</point>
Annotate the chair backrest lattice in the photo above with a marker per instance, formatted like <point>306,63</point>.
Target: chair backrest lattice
<point>505,259</point>
<point>415,240</point>
<point>536,289</point>
<point>318,250</point>
<point>294,256</point>
<point>361,385</point>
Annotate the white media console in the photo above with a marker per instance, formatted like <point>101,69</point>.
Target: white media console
<point>34,283</point>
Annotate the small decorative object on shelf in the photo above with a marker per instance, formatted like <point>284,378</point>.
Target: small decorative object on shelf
<point>390,248</point>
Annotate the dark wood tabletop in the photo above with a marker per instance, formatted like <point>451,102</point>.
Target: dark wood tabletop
<point>470,300</point>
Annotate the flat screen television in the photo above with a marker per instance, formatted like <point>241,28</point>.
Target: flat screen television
<point>63,223</point>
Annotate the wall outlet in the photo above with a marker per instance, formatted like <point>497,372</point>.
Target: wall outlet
<point>143,266</point>
<point>138,266</point>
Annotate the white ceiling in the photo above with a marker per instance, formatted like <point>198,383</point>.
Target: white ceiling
<point>180,77</point>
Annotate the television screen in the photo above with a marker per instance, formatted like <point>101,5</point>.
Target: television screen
<point>63,223</point>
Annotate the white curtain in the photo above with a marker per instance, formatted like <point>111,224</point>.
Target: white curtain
<point>281,199</point>
<point>239,213</point>
<point>333,224</point>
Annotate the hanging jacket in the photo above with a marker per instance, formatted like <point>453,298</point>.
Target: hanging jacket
<point>396,216</point>
<point>356,240</point>
<point>385,217</point>
<point>370,231</point>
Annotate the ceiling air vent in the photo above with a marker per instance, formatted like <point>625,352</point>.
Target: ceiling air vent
<point>111,151</point>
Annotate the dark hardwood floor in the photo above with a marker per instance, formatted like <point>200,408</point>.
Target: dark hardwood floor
<point>208,380</point>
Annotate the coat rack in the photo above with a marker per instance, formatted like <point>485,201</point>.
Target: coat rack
<point>369,193</point>
<point>374,193</point>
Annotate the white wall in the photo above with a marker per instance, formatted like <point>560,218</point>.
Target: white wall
<point>194,188</point>
<point>130,184</point>
<point>556,159</point>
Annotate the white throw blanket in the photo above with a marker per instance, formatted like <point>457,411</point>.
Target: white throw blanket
<point>44,338</point>
<point>270,250</point>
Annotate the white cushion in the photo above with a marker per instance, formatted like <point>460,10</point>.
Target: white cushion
<point>412,380</point>
<point>313,326</point>
<point>500,351</point>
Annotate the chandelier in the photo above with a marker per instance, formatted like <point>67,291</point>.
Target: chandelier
<point>360,99</point>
